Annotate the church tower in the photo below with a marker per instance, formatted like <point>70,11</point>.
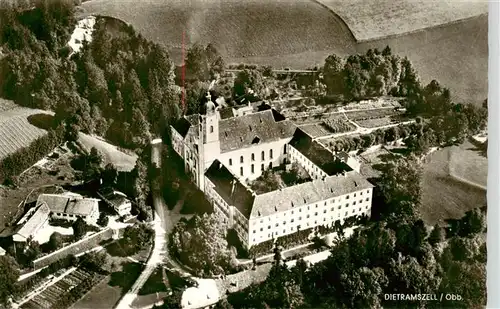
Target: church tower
<point>209,145</point>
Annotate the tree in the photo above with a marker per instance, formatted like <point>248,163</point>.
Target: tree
<point>103,219</point>
<point>437,235</point>
<point>55,241</point>
<point>9,273</point>
<point>400,187</point>
<point>109,175</point>
<point>79,228</point>
<point>249,82</point>
<point>188,243</point>
<point>333,74</point>
<point>138,237</point>
<point>95,261</point>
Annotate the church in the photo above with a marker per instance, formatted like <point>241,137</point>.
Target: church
<point>224,154</point>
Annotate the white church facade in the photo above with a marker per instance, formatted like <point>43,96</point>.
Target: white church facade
<point>224,155</point>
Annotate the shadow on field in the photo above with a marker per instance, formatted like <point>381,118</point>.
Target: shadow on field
<point>126,277</point>
<point>43,121</point>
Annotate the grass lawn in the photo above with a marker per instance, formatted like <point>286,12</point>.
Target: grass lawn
<point>444,197</point>
<point>36,180</point>
<point>154,284</point>
<point>123,161</point>
<point>467,162</point>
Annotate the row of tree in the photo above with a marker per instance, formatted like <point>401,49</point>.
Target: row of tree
<point>15,163</point>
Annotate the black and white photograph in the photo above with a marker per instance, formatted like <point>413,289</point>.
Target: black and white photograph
<point>244,154</point>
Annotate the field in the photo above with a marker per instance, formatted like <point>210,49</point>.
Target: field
<point>315,130</point>
<point>373,19</point>
<point>123,161</point>
<point>375,122</point>
<point>109,291</point>
<point>48,298</point>
<point>467,163</point>
<point>237,28</point>
<point>301,34</point>
<point>370,114</point>
<point>445,197</point>
<point>338,123</point>
<point>15,129</point>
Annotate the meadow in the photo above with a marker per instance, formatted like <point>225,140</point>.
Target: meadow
<point>111,154</point>
<point>444,196</point>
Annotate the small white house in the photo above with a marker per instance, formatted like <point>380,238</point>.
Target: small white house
<point>117,200</point>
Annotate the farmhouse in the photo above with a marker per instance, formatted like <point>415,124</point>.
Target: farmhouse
<point>117,200</point>
<point>67,206</point>
<point>223,156</point>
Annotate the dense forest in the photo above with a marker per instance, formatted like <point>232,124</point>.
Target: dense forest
<point>119,86</point>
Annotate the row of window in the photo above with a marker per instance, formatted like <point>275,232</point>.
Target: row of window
<point>332,209</point>
<point>252,168</point>
<point>308,216</point>
<point>297,228</point>
<point>253,157</point>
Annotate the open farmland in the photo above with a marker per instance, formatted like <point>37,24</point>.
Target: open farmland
<point>15,129</point>
<point>374,19</point>
<point>444,197</point>
<point>301,34</point>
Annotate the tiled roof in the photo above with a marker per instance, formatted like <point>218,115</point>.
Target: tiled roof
<point>67,204</point>
<point>229,188</point>
<point>318,154</point>
<point>239,132</point>
<point>35,222</point>
<point>81,207</point>
<point>56,203</point>
<point>226,112</point>
<point>308,193</point>
<point>182,126</point>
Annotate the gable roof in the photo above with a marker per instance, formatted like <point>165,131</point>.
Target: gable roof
<point>317,154</point>
<point>70,204</point>
<point>308,193</point>
<point>182,126</point>
<point>230,188</point>
<point>34,222</point>
<point>239,132</point>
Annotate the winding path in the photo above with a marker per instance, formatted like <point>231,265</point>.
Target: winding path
<point>162,225</point>
<point>159,244</point>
